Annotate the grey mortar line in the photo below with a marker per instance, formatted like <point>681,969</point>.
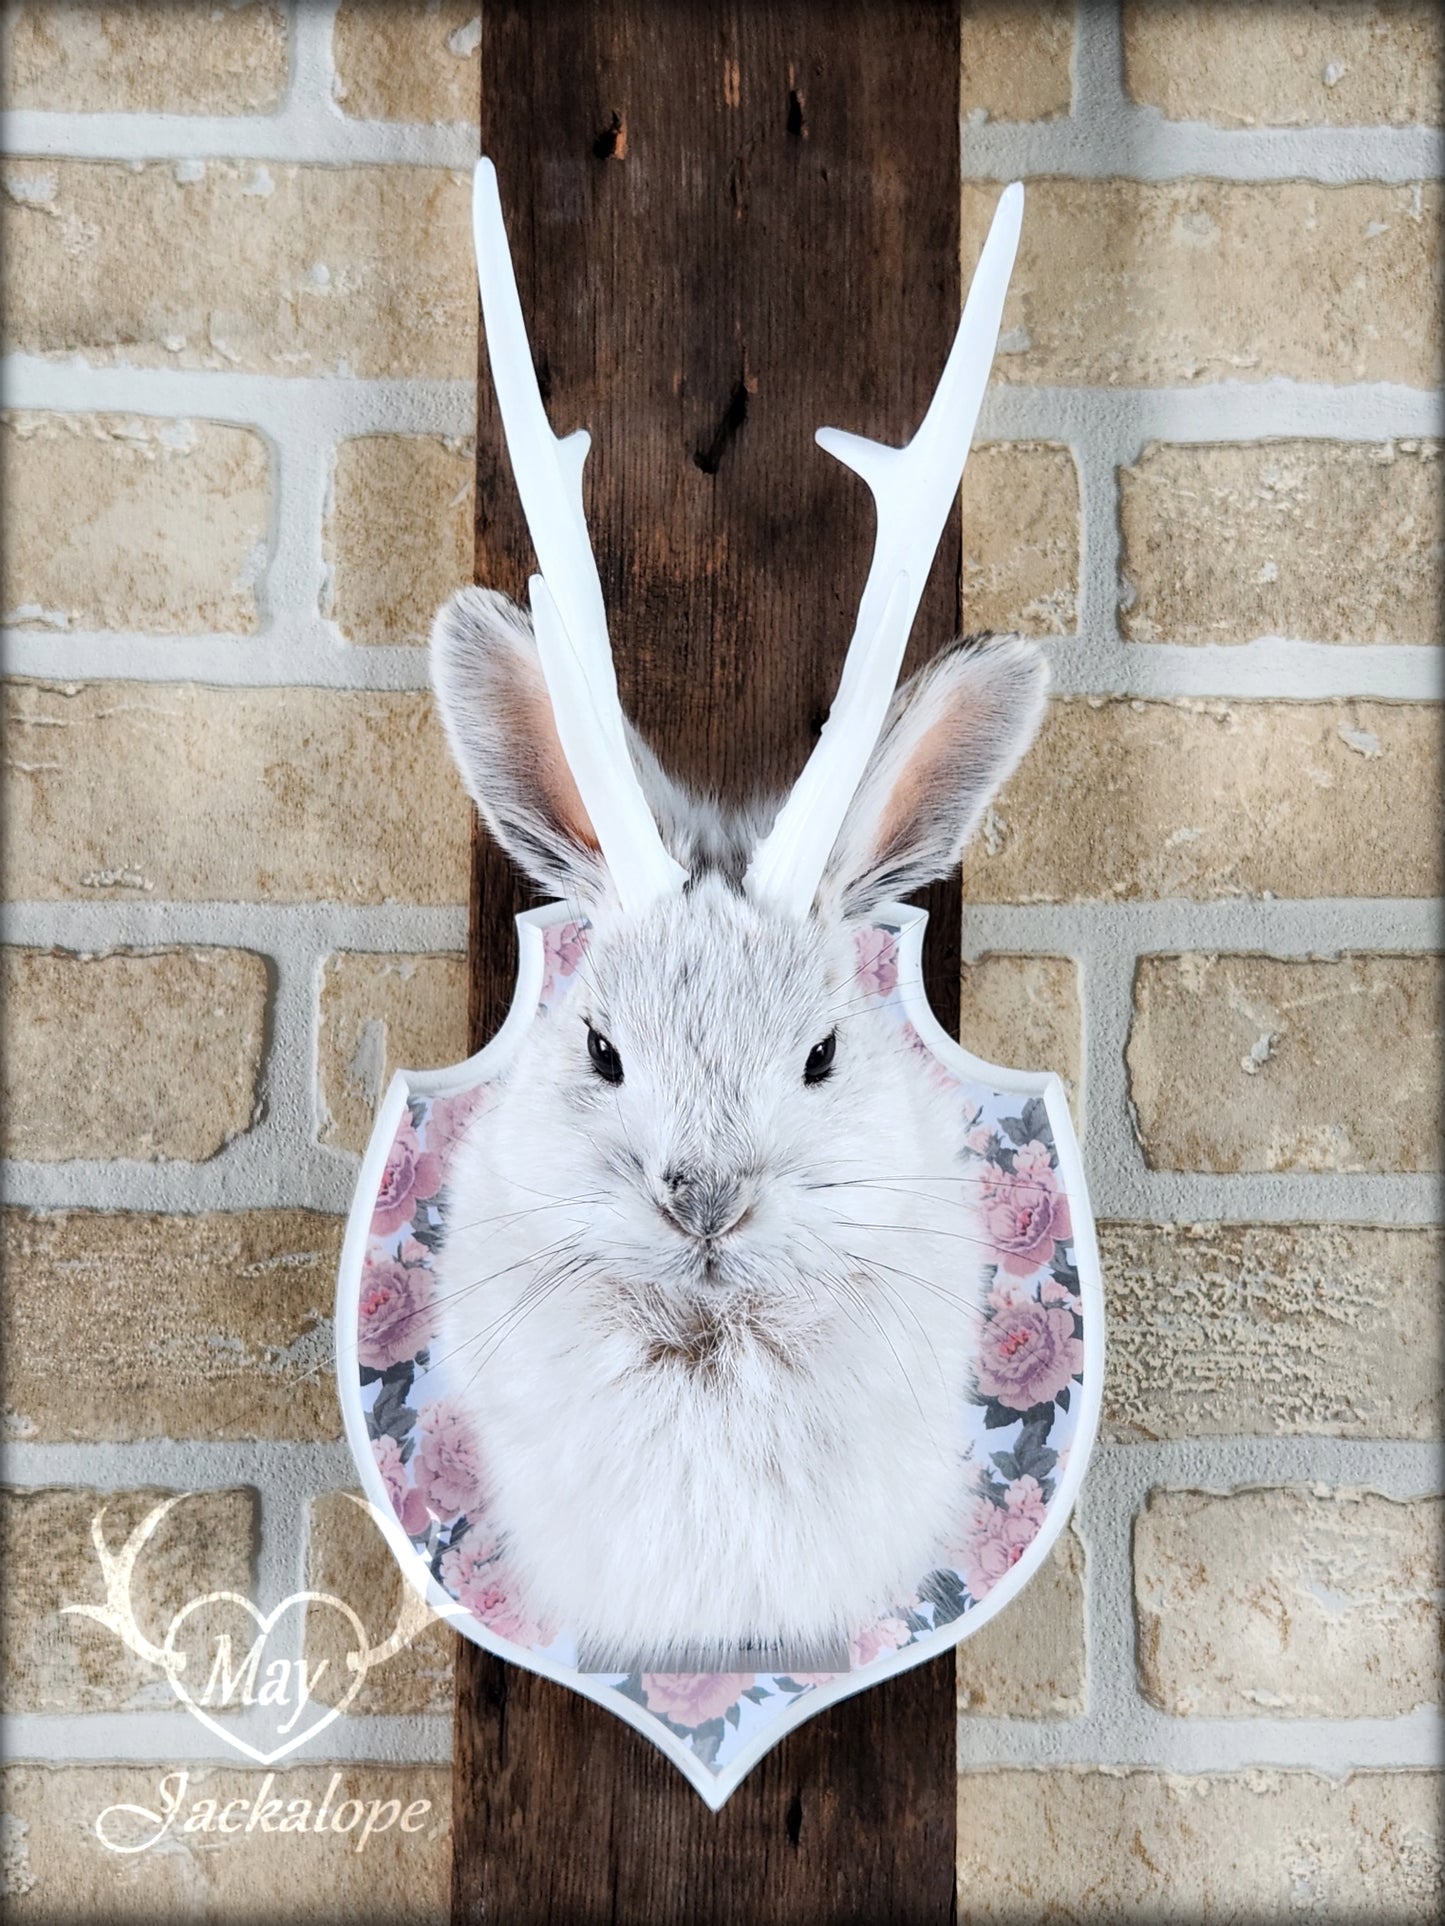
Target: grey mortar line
<point>1400,1468</point>
<point>287,139</point>
<point>1139,1737</point>
<point>1096,62</point>
<point>1120,421</point>
<point>296,580</point>
<point>289,408</point>
<point>273,1466</point>
<point>1136,144</point>
<point>291,652</point>
<point>305,653</point>
<point>294,933</point>
<point>1273,925</point>
<point>174,1739</point>
<point>265,1170</point>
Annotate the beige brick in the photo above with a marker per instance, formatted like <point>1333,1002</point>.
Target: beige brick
<point>148,1054</point>
<point>56,1661</point>
<point>349,1559</point>
<point>1332,63</point>
<point>242,1301</point>
<point>1322,541</point>
<point>1124,799</point>
<point>1021,539</point>
<point>132,56</point>
<point>380,1014</point>
<point>1017,59</point>
<point>1023,1012</point>
<point>1145,1848</point>
<point>231,795</point>
<point>1286,1330</point>
<point>410,60</point>
<point>1241,1063</point>
<point>1295,1604</point>
<point>126,522</point>
<point>1029,1662</point>
<point>1171,283</point>
<point>399,535</point>
<point>255,266</point>
<point>59,1872</point>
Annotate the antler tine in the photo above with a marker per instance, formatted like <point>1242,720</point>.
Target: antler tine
<point>569,616</point>
<point>913,489</point>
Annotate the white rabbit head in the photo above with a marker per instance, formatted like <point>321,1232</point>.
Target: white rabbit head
<point>716,1055</point>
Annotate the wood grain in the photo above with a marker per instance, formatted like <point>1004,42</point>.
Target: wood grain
<point>731,225</point>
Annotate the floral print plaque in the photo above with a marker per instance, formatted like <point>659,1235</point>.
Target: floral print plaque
<point>1032,1402</point>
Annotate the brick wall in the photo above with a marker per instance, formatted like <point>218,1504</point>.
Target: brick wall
<point>1227,311</point>
<point>237,469</point>
<point>237,465</point>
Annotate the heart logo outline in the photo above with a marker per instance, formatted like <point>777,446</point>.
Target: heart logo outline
<point>174,1663</point>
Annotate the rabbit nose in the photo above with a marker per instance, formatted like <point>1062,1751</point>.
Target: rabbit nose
<point>705,1205</point>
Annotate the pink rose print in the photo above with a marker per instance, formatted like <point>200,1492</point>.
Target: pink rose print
<point>451,1117</point>
<point>404,1501</point>
<point>692,1698</point>
<point>1027,1353</point>
<point>447,1465</point>
<point>877,972</point>
<point>394,1320</point>
<point>563,947</point>
<point>387,1453</point>
<point>887,1634</point>
<point>475,1574</point>
<point>412,1175</point>
<point>1008,1293</point>
<point>997,1536</point>
<point>1024,1211</point>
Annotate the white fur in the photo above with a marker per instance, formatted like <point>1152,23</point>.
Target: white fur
<point>697,1440</point>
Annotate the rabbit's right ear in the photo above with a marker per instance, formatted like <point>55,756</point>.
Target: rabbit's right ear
<point>498,719</point>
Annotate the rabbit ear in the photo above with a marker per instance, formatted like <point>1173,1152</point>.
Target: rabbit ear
<point>498,719</point>
<point>954,732</point>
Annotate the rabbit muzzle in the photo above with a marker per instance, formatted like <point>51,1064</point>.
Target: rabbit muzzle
<point>706,1205</point>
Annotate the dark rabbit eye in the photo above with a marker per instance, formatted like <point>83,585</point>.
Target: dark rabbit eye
<point>605,1060</point>
<point>819,1066</point>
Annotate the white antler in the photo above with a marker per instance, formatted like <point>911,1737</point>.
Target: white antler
<point>117,1569</point>
<point>913,489</point>
<point>567,608</point>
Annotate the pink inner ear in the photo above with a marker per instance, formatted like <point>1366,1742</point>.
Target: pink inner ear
<point>934,750</point>
<point>532,722</point>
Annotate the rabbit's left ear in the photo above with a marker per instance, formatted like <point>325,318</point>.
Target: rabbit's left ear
<point>954,733</point>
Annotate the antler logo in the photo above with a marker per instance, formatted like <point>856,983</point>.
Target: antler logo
<point>232,1638</point>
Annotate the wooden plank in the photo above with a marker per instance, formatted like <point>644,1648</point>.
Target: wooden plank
<point>731,225</point>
